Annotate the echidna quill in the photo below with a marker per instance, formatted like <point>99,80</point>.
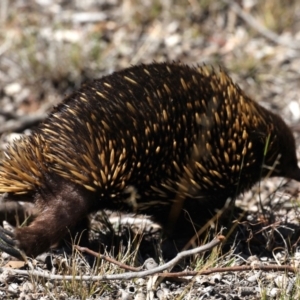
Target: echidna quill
<point>138,140</point>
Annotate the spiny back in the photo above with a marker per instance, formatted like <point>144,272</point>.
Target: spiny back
<point>158,128</point>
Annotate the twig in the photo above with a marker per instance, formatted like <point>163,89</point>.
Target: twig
<point>209,271</point>
<point>272,36</point>
<point>22,123</point>
<point>124,276</point>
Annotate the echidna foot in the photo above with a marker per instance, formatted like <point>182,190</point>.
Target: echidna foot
<point>8,245</point>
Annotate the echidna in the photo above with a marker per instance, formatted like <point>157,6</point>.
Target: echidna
<point>138,140</point>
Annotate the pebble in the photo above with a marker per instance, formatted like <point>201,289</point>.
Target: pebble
<point>216,278</point>
<point>273,292</point>
<point>124,295</point>
<point>150,264</point>
<point>140,296</point>
<point>162,294</point>
<point>13,288</point>
<point>12,89</point>
<point>27,287</point>
<point>254,277</point>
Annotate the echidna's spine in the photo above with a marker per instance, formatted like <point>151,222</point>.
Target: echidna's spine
<point>149,127</point>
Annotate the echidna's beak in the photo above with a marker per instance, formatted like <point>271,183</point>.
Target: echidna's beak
<point>294,174</point>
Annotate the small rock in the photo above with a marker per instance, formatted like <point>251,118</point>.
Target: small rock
<point>13,288</point>
<point>150,264</point>
<point>254,277</point>
<point>124,295</point>
<point>162,294</point>
<point>49,285</point>
<point>246,291</point>
<point>252,258</point>
<point>273,292</point>
<point>140,281</point>
<point>27,287</point>
<point>281,281</point>
<point>4,276</point>
<point>216,278</point>
<point>140,296</point>
<point>12,89</point>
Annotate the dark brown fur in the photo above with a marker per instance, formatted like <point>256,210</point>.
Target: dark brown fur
<point>137,140</point>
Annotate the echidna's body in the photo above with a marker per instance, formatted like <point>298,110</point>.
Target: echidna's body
<point>139,139</point>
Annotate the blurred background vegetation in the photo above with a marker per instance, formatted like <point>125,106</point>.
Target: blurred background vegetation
<point>49,47</point>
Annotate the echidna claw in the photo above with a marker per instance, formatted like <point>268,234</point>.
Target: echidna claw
<point>7,244</point>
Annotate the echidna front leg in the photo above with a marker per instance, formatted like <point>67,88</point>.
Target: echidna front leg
<point>61,207</point>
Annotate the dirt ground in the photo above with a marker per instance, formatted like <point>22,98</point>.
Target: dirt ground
<point>48,48</point>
